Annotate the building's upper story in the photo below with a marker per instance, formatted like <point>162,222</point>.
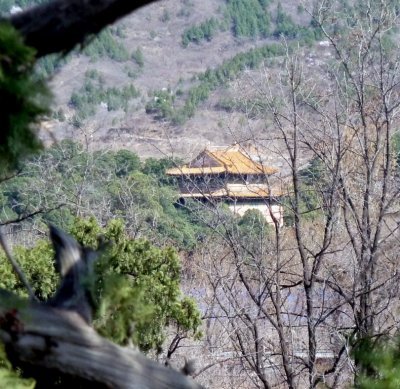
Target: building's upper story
<point>223,172</point>
<point>231,160</point>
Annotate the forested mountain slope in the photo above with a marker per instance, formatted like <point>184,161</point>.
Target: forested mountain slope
<point>144,84</point>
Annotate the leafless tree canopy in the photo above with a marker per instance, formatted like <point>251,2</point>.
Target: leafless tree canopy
<point>293,302</point>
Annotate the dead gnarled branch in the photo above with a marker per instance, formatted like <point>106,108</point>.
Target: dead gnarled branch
<point>59,25</point>
<point>56,337</point>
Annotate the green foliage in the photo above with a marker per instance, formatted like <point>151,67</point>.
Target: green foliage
<point>59,115</point>
<point>313,173</point>
<point>23,99</point>
<point>313,185</point>
<point>250,232</point>
<point>93,93</point>
<point>161,105</point>
<point>139,288</point>
<point>380,364</point>
<point>126,163</point>
<point>48,65</point>
<point>226,104</point>
<point>284,24</point>
<point>37,265</point>
<point>63,166</point>
<point>6,207</point>
<point>10,378</point>
<point>6,5</point>
<point>119,30</point>
<point>138,57</point>
<point>253,107</point>
<point>163,102</point>
<point>396,147</point>
<point>229,70</point>
<point>156,168</point>
<point>249,18</point>
<point>253,223</point>
<point>151,203</point>
<point>264,3</point>
<point>105,45</point>
<point>198,33</point>
<point>138,284</point>
<point>104,183</point>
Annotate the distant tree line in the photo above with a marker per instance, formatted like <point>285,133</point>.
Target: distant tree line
<point>164,106</point>
<point>249,19</point>
<point>67,181</point>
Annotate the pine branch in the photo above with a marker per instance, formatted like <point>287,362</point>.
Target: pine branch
<point>56,337</point>
<point>20,274</point>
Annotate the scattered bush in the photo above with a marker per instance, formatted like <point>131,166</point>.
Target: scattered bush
<point>198,33</point>
<point>138,57</point>
<point>93,93</point>
<point>105,45</point>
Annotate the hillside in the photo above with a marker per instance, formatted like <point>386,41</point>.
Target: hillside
<point>147,53</point>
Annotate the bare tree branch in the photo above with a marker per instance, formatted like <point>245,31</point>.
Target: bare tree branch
<point>26,216</point>
<point>20,274</point>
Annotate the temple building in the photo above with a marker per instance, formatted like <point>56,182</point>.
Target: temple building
<point>235,176</point>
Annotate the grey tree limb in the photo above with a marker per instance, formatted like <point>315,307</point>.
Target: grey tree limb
<point>17,270</point>
<point>56,337</point>
<point>59,25</point>
<point>38,336</point>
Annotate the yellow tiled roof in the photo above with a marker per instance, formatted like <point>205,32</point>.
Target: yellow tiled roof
<point>236,162</point>
<point>231,160</point>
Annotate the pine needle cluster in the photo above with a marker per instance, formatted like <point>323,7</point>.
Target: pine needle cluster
<point>23,99</point>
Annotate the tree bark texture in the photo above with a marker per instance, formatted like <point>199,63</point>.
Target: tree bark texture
<point>38,336</point>
<point>59,25</point>
<point>55,337</point>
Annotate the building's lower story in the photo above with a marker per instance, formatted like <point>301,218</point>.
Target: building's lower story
<point>273,213</point>
<point>241,198</point>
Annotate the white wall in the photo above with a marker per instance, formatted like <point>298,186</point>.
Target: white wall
<point>265,209</point>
